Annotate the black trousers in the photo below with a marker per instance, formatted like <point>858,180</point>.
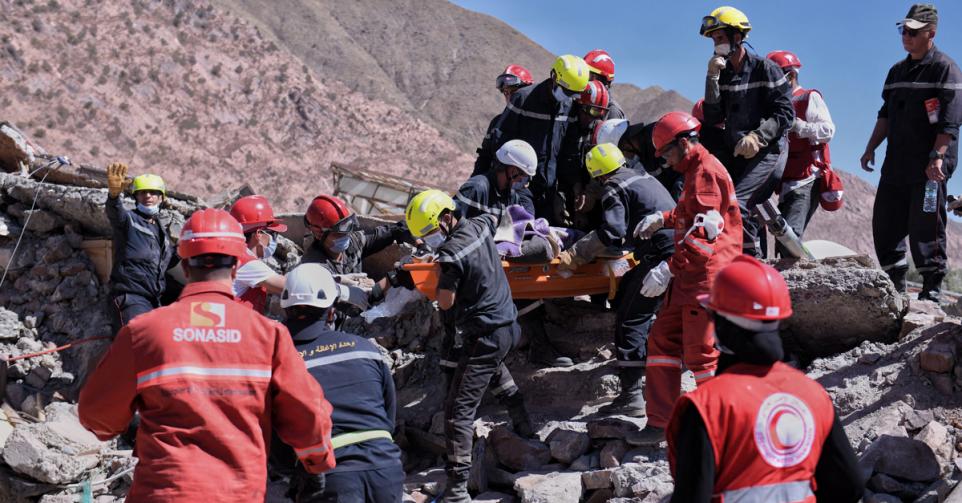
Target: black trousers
<point>798,207</point>
<point>634,315</point>
<point>897,214</point>
<point>481,364</point>
<point>755,181</point>
<point>383,485</point>
<point>125,306</point>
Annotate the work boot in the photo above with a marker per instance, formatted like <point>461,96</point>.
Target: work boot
<point>631,401</point>
<point>548,355</point>
<point>931,288</point>
<point>898,279</point>
<point>540,349</point>
<point>650,436</point>
<point>456,491</point>
<point>520,420</point>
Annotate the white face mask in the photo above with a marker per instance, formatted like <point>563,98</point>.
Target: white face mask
<point>434,240</point>
<point>559,94</point>
<point>723,50</point>
<point>148,210</point>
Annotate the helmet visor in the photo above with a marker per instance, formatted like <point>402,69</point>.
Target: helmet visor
<point>507,80</point>
<point>346,224</point>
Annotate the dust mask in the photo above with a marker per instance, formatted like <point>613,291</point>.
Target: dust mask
<point>559,94</point>
<point>723,50</point>
<point>712,222</point>
<point>341,244</point>
<point>148,210</point>
<point>434,240</point>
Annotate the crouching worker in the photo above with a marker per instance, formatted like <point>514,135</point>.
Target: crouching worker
<point>209,377</point>
<point>474,285</point>
<point>143,248</point>
<point>359,386</point>
<point>629,197</point>
<point>760,430</point>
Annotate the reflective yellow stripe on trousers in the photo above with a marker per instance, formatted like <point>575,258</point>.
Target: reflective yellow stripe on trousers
<point>356,437</point>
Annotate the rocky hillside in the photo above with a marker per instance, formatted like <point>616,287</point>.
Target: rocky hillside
<point>435,60</point>
<point>196,94</point>
<point>852,225</point>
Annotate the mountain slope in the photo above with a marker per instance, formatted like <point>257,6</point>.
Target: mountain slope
<point>195,94</point>
<point>430,57</point>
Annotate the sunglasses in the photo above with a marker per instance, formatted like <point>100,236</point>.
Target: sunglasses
<point>664,150</point>
<point>912,33</point>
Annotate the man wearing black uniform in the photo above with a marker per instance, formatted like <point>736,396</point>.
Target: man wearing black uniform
<point>634,141</point>
<point>358,384</point>
<point>629,197</point>
<point>502,186</point>
<point>920,119</point>
<point>474,285</point>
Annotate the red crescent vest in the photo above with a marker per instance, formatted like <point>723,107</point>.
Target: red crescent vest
<point>802,155</point>
<point>255,296</point>
<point>767,426</point>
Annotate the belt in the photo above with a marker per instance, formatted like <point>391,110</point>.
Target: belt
<point>356,437</point>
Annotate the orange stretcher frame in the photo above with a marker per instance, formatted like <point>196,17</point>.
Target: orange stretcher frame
<point>540,281</point>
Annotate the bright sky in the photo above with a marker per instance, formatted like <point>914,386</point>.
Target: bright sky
<point>846,48</point>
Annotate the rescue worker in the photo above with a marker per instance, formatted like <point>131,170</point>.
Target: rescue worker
<point>750,95</point>
<point>919,119</point>
<point>502,186</point>
<point>634,141</point>
<point>473,284</point>
<point>808,153</point>
<point>208,377</point>
<point>142,245</point>
<point>513,77</point>
<point>341,246</point>
<point>760,430</point>
<point>708,234</point>
<point>602,68</point>
<point>359,386</point>
<point>255,279</point>
<point>711,136</point>
<point>539,114</point>
<point>629,197</point>
<point>573,180</point>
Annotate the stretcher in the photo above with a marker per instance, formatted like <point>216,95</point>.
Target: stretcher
<point>540,281</point>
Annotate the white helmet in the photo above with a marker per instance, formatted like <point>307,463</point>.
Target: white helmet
<point>609,131</point>
<point>309,285</point>
<point>519,154</point>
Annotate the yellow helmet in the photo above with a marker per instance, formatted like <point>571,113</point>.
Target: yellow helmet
<point>149,182</point>
<point>424,211</point>
<point>603,159</point>
<point>571,73</point>
<point>725,17</point>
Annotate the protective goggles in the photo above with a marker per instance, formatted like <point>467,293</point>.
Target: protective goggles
<point>507,80</point>
<point>709,24</point>
<point>346,224</point>
<point>595,111</point>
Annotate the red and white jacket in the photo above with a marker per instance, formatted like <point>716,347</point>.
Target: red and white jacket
<point>808,151</point>
<point>767,426</point>
<point>210,379</point>
<point>707,186</point>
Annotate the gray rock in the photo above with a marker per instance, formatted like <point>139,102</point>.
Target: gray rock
<point>41,221</point>
<point>631,479</point>
<point>900,457</point>
<point>882,483</point>
<point>38,377</point>
<point>567,446</point>
<point>58,452</point>
<point>937,437</point>
<point>612,453</point>
<point>598,479</point>
<point>917,419</point>
<point>10,326</point>
<point>861,298</point>
<point>610,428</point>
<point>558,487</point>
<point>518,453</point>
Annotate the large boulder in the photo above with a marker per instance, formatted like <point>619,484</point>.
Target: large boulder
<point>838,303</point>
<point>59,451</point>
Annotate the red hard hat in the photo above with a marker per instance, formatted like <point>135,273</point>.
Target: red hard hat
<point>514,75</point>
<point>831,191</point>
<point>600,62</point>
<point>330,214</point>
<point>671,125</point>
<point>785,60</point>
<point>698,111</point>
<point>255,212</point>
<point>750,289</point>
<point>595,95</point>
<point>211,231</point>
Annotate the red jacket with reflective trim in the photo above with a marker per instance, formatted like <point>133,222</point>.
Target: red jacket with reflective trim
<point>767,426</point>
<point>210,378</point>
<point>802,155</point>
<point>707,186</point>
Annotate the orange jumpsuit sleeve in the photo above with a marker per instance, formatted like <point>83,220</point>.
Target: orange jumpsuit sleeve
<point>107,400</point>
<point>301,414</point>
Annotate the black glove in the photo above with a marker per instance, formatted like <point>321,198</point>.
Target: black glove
<point>401,234</point>
<point>306,487</point>
<point>400,277</point>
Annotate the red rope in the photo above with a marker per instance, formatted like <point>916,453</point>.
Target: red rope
<point>56,349</point>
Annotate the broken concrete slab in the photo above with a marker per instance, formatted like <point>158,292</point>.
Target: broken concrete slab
<point>557,487</point>
<point>57,452</point>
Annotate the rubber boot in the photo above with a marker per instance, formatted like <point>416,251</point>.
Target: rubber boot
<point>456,491</point>
<point>631,401</point>
<point>520,420</point>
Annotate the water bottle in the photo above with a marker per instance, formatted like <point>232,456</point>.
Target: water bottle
<point>931,196</point>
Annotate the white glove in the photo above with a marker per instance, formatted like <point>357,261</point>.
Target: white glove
<point>749,145</point>
<point>656,281</point>
<point>353,296</point>
<point>715,65</point>
<point>649,225</point>
<point>797,126</point>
